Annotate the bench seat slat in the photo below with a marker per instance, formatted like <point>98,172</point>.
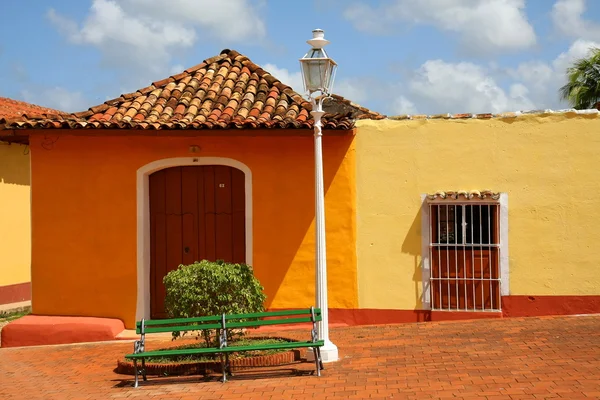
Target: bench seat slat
<point>281,313</point>
<point>150,322</point>
<point>265,322</point>
<point>230,349</point>
<point>274,346</point>
<point>156,323</point>
<point>171,353</point>
<point>236,324</point>
<point>216,318</point>
<point>197,323</point>
<point>181,328</point>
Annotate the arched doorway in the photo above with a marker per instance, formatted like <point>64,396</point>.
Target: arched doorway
<point>196,212</point>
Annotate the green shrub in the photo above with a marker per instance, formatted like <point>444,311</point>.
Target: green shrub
<point>212,288</point>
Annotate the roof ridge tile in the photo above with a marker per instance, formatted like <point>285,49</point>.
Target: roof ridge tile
<point>161,82</point>
<point>215,59</point>
<point>196,67</point>
<point>99,108</point>
<point>180,76</point>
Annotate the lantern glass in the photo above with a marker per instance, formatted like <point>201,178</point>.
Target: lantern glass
<point>318,71</point>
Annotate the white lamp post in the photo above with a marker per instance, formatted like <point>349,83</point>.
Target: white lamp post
<point>318,72</point>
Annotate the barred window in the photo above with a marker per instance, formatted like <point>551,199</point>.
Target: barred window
<point>465,256</point>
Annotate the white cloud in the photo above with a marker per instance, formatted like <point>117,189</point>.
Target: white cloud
<point>293,79</point>
<point>402,105</point>
<point>537,74</point>
<point>228,21</point>
<point>64,25</point>
<point>355,90</point>
<point>57,98</point>
<point>177,69</point>
<point>567,16</point>
<point>440,87</point>
<point>544,79</point>
<point>579,49</point>
<point>484,25</point>
<point>444,87</point>
<point>144,34</point>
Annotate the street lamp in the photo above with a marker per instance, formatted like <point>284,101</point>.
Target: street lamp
<point>318,72</point>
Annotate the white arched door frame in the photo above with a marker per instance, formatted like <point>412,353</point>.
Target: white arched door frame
<point>143,218</point>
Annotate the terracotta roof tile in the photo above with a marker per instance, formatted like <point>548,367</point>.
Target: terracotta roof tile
<point>226,91</point>
<point>14,109</point>
<point>10,108</point>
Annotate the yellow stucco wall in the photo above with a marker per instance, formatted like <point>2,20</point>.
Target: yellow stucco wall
<point>15,225</point>
<point>548,165</point>
<point>85,217</point>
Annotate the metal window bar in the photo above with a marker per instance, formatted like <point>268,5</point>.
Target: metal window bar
<point>447,256</point>
<point>473,260</point>
<point>440,258</point>
<point>457,302</point>
<point>475,223</point>
<point>464,269</point>
<point>481,260</point>
<point>490,263</point>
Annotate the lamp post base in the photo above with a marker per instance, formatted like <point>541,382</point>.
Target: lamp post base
<point>329,353</point>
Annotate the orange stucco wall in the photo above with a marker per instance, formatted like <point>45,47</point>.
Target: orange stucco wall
<point>84,218</point>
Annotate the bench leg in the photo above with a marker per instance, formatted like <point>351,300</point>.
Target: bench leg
<point>223,368</point>
<point>320,359</point>
<point>136,383</point>
<point>317,361</point>
<point>144,369</point>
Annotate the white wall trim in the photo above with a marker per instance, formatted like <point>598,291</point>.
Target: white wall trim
<point>425,240</point>
<point>504,270</point>
<point>143,218</point>
<point>425,261</point>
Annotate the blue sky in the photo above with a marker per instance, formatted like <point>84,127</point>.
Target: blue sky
<point>394,56</point>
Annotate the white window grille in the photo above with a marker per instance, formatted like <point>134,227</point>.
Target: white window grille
<point>464,256</point>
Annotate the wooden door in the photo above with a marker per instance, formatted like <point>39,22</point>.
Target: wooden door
<point>196,213</point>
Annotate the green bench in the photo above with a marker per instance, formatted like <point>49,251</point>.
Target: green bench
<point>221,323</point>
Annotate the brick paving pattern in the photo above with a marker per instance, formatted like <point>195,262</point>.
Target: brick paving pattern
<point>519,358</point>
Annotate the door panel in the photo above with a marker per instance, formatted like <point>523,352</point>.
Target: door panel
<point>210,218</point>
<point>201,196</point>
<point>238,206</point>
<point>223,214</point>
<point>158,238</point>
<point>189,208</point>
<point>196,213</point>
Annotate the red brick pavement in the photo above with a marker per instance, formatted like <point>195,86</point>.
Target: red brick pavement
<point>519,358</point>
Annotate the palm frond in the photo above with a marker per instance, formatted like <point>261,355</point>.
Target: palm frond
<point>582,89</point>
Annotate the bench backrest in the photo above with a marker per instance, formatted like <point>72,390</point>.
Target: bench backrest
<point>232,321</point>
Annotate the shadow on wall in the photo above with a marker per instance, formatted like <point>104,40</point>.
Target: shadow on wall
<point>14,164</point>
<point>412,246</point>
<point>289,249</point>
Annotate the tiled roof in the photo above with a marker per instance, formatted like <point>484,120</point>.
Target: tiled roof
<point>223,92</point>
<point>10,108</point>
<point>15,109</point>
